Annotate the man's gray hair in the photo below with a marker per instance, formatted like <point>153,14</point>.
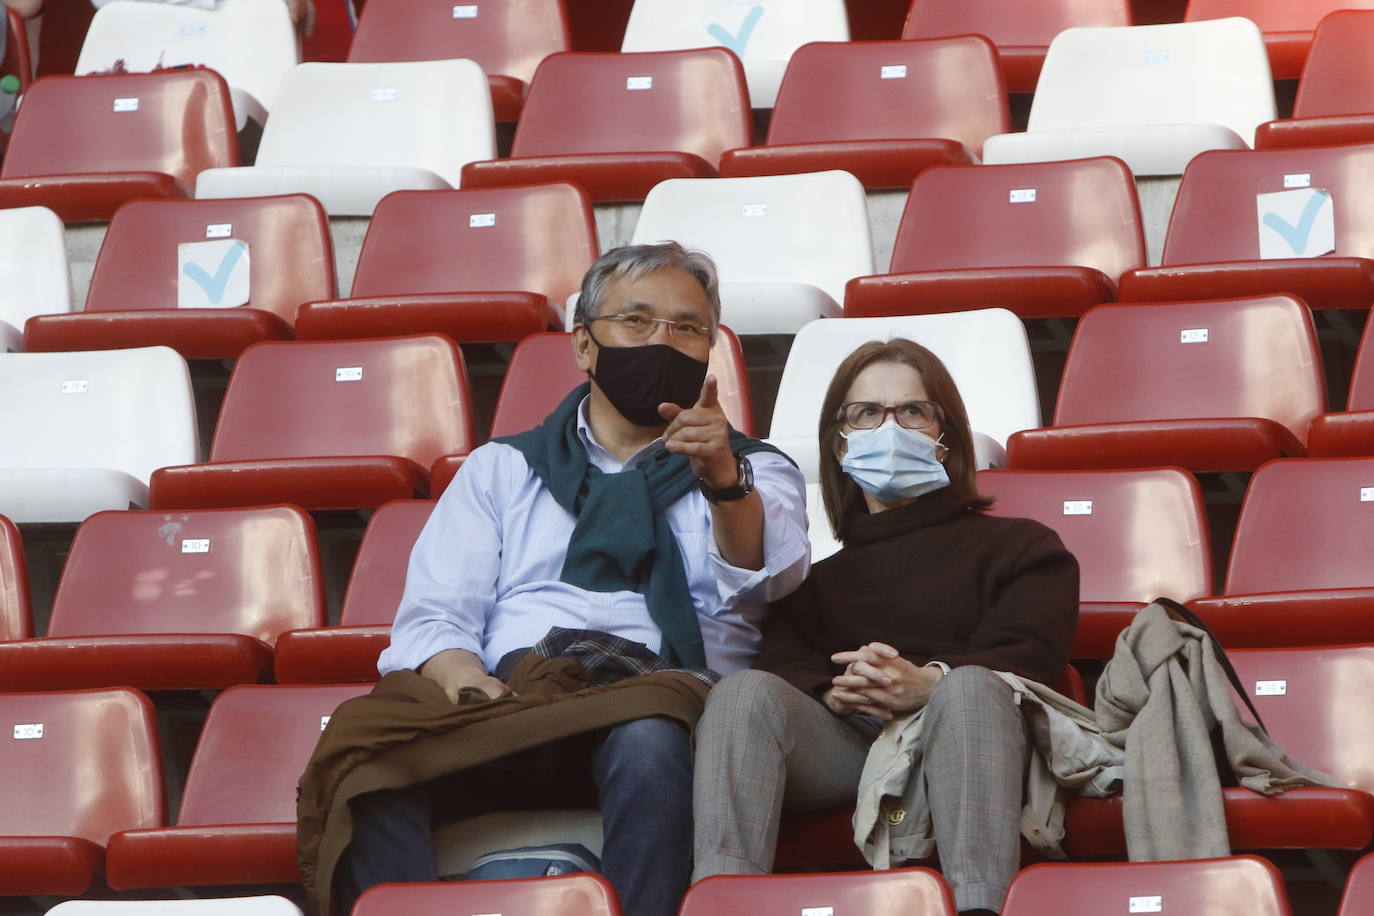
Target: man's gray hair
<point>635,261</point>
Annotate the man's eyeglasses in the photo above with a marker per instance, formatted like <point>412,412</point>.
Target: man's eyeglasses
<point>871,414</point>
<point>640,328</point>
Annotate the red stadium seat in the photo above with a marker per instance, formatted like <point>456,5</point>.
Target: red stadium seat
<point>1022,31</point>
<point>1334,102</point>
<point>77,766</point>
<point>1349,434</point>
<point>1358,898</point>
<point>1044,240</point>
<point>1304,696</point>
<point>484,265</point>
<point>238,813</point>
<point>133,296</point>
<point>898,892</point>
<point>542,372</point>
<point>1238,886</point>
<point>329,425</point>
<point>1213,246</point>
<point>188,600</point>
<point>583,894</point>
<point>16,615</point>
<point>1137,534</point>
<point>348,652</point>
<point>1287,25</point>
<point>1300,573</point>
<point>880,110</point>
<point>82,146</point>
<point>17,63</point>
<point>618,124</point>
<point>508,38</point>
<point>1220,385</point>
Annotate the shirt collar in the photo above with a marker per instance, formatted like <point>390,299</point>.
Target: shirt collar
<point>599,456</point>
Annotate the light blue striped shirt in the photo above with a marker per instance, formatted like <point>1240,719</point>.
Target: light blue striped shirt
<point>484,573</point>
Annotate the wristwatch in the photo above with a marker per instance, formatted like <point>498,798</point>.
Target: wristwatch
<point>741,488</point>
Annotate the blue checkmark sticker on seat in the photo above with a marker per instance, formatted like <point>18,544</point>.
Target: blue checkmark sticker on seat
<point>739,40</point>
<point>1296,224</point>
<point>212,274</point>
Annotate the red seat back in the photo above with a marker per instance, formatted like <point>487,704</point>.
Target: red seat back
<point>1362,381</point>
<point>507,37</point>
<point>542,371</point>
<point>1307,707</point>
<point>1137,534</point>
<point>16,616</point>
<point>1032,22</point>
<point>1339,76</point>
<point>176,122</point>
<point>379,573</point>
<point>1080,213</point>
<point>402,396</point>
<point>249,571</point>
<point>536,239</point>
<point>583,894</point>
<point>1305,524</point>
<point>292,256</point>
<point>1214,214</point>
<point>1359,889</point>
<point>255,745</point>
<point>88,766</point>
<point>1131,362</point>
<point>696,103</point>
<point>17,63</point>
<point>1238,886</point>
<point>899,892</point>
<point>949,88</point>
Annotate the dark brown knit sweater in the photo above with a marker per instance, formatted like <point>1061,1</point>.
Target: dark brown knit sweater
<point>939,583</point>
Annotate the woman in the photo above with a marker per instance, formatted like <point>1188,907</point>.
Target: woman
<point>928,597</point>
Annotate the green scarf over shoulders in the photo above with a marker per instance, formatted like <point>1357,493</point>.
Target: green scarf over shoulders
<point>622,540</point>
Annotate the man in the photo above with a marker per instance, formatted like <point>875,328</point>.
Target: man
<point>532,534</point>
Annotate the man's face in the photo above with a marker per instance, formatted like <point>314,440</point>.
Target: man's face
<point>671,294</point>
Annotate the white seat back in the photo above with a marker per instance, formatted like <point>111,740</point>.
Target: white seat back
<point>251,43</point>
<point>116,415</point>
<point>34,275</point>
<point>762,33</point>
<point>771,237</point>
<point>985,351</point>
<point>221,906</point>
<point>1212,72</point>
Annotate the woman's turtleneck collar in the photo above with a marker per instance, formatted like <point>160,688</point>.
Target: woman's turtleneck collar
<point>931,509</point>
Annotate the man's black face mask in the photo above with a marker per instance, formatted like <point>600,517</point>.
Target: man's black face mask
<point>637,379</point>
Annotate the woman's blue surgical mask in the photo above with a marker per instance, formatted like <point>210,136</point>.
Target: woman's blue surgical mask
<point>892,463</point>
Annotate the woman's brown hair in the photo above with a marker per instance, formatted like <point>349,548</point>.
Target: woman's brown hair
<point>842,496</point>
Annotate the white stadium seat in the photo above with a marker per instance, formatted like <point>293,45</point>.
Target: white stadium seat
<point>34,275</point>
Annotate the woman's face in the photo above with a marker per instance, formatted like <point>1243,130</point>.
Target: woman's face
<point>887,384</point>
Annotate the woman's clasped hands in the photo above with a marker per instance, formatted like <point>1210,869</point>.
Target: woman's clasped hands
<point>877,681</point>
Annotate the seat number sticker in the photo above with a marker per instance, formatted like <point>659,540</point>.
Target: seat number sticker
<point>1300,180</point>
<point>754,210</point>
<point>324,721</point>
<point>1192,335</point>
<point>1145,905</point>
<point>818,911</point>
<point>465,11</point>
<point>193,28</point>
<point>639,82</point>
<point>195,545</point>
<point>1156,57</point>
<point>349,374</point>
<point>1271,688</point>
<point>1078,507</point>
<point>75,386</point>
<point>1367,494</point>
<point>126,104</point>
<point>384,95</point>
<point>31,730</point>
<point>895,72</point>
<point>1023,195</point>
<point>219,230</point>
<point>481,220</point>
